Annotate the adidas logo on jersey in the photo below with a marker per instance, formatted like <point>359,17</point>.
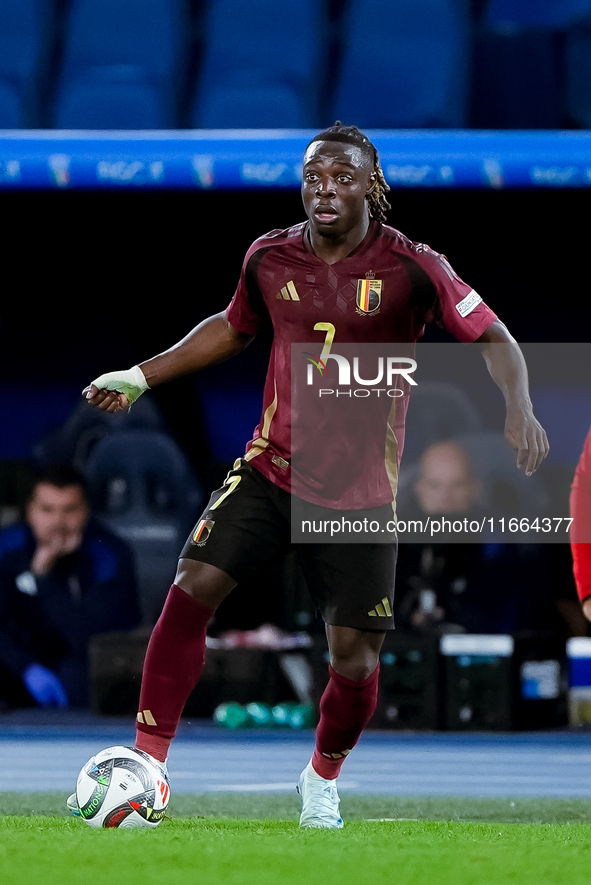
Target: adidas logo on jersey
<point>289,292</point>
<point>382,609</point>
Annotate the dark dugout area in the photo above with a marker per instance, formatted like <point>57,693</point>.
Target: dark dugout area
<point>95,281</point>
<point>121,275</point>
<point>98,281</point>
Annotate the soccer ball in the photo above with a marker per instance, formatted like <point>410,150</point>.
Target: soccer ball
<point>122,787</point>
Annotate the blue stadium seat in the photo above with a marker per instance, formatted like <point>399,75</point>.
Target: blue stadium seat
<point>518,70</point>
<point>578,74</point>
<point>120,65</point>
<point>12,106</point>
<point>519,65</point>
<point>111,100</point>
<point>240,105</point>
<point>555,14</point>
<point>73,441</point>
<point>405,64</point>
<point>23,29</point>
<point>261,62</point>
<point>144,490</point>
<point>517,80</point>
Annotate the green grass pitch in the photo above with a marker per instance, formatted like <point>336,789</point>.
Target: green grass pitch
<point>235,839</point>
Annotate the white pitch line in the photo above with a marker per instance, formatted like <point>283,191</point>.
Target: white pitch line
<point>268,787</point>
<point>468,778</point>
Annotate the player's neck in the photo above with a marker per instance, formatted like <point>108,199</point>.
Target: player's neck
<point>334,248</point>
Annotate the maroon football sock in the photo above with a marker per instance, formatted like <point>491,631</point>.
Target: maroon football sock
<point>173,664</point>
<point>345,709</point>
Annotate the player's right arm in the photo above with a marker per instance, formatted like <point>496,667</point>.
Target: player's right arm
<point>212,341</point>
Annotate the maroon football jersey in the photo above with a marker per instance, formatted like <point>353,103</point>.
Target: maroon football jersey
<point>384,292</point>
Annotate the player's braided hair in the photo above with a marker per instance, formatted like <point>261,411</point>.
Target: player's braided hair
<point>377,202</point>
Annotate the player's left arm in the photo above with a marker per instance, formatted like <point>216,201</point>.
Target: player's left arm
<point>508,370</point>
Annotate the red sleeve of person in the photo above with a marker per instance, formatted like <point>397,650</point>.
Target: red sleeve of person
<point>580,511</point>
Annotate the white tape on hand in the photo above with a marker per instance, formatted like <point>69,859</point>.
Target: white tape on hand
<point>131,382</point>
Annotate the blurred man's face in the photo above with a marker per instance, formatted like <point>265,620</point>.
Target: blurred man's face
<point>446,483</point>
<point>57,511</point>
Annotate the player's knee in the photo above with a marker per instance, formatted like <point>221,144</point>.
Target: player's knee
<point>354,654</point>
<point>205,583</point>
<point>356,664</point>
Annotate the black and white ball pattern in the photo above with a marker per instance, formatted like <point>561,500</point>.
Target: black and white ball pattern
<point>122,787</point>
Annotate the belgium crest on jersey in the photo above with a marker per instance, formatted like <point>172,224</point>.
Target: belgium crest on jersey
<point>203,531</point>
<point>369,297</point>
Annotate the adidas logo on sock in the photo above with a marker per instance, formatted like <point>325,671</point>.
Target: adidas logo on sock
<point>335,756</point>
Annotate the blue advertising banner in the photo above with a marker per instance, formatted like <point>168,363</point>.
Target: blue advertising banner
<point>263,159</point>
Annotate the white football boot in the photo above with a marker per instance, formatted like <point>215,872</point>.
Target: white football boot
<point>320,800</point>
<point>161,765</point>
<point>72,805</point>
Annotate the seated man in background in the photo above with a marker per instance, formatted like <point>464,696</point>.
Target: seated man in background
<point>63,578</point>
<point>461,582</point>
<point>447,484</point>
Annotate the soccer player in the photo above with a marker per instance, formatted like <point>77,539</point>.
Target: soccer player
<point>343,276</point>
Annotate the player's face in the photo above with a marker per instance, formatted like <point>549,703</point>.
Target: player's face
<point>337,179</point>
<point>54,510</point>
